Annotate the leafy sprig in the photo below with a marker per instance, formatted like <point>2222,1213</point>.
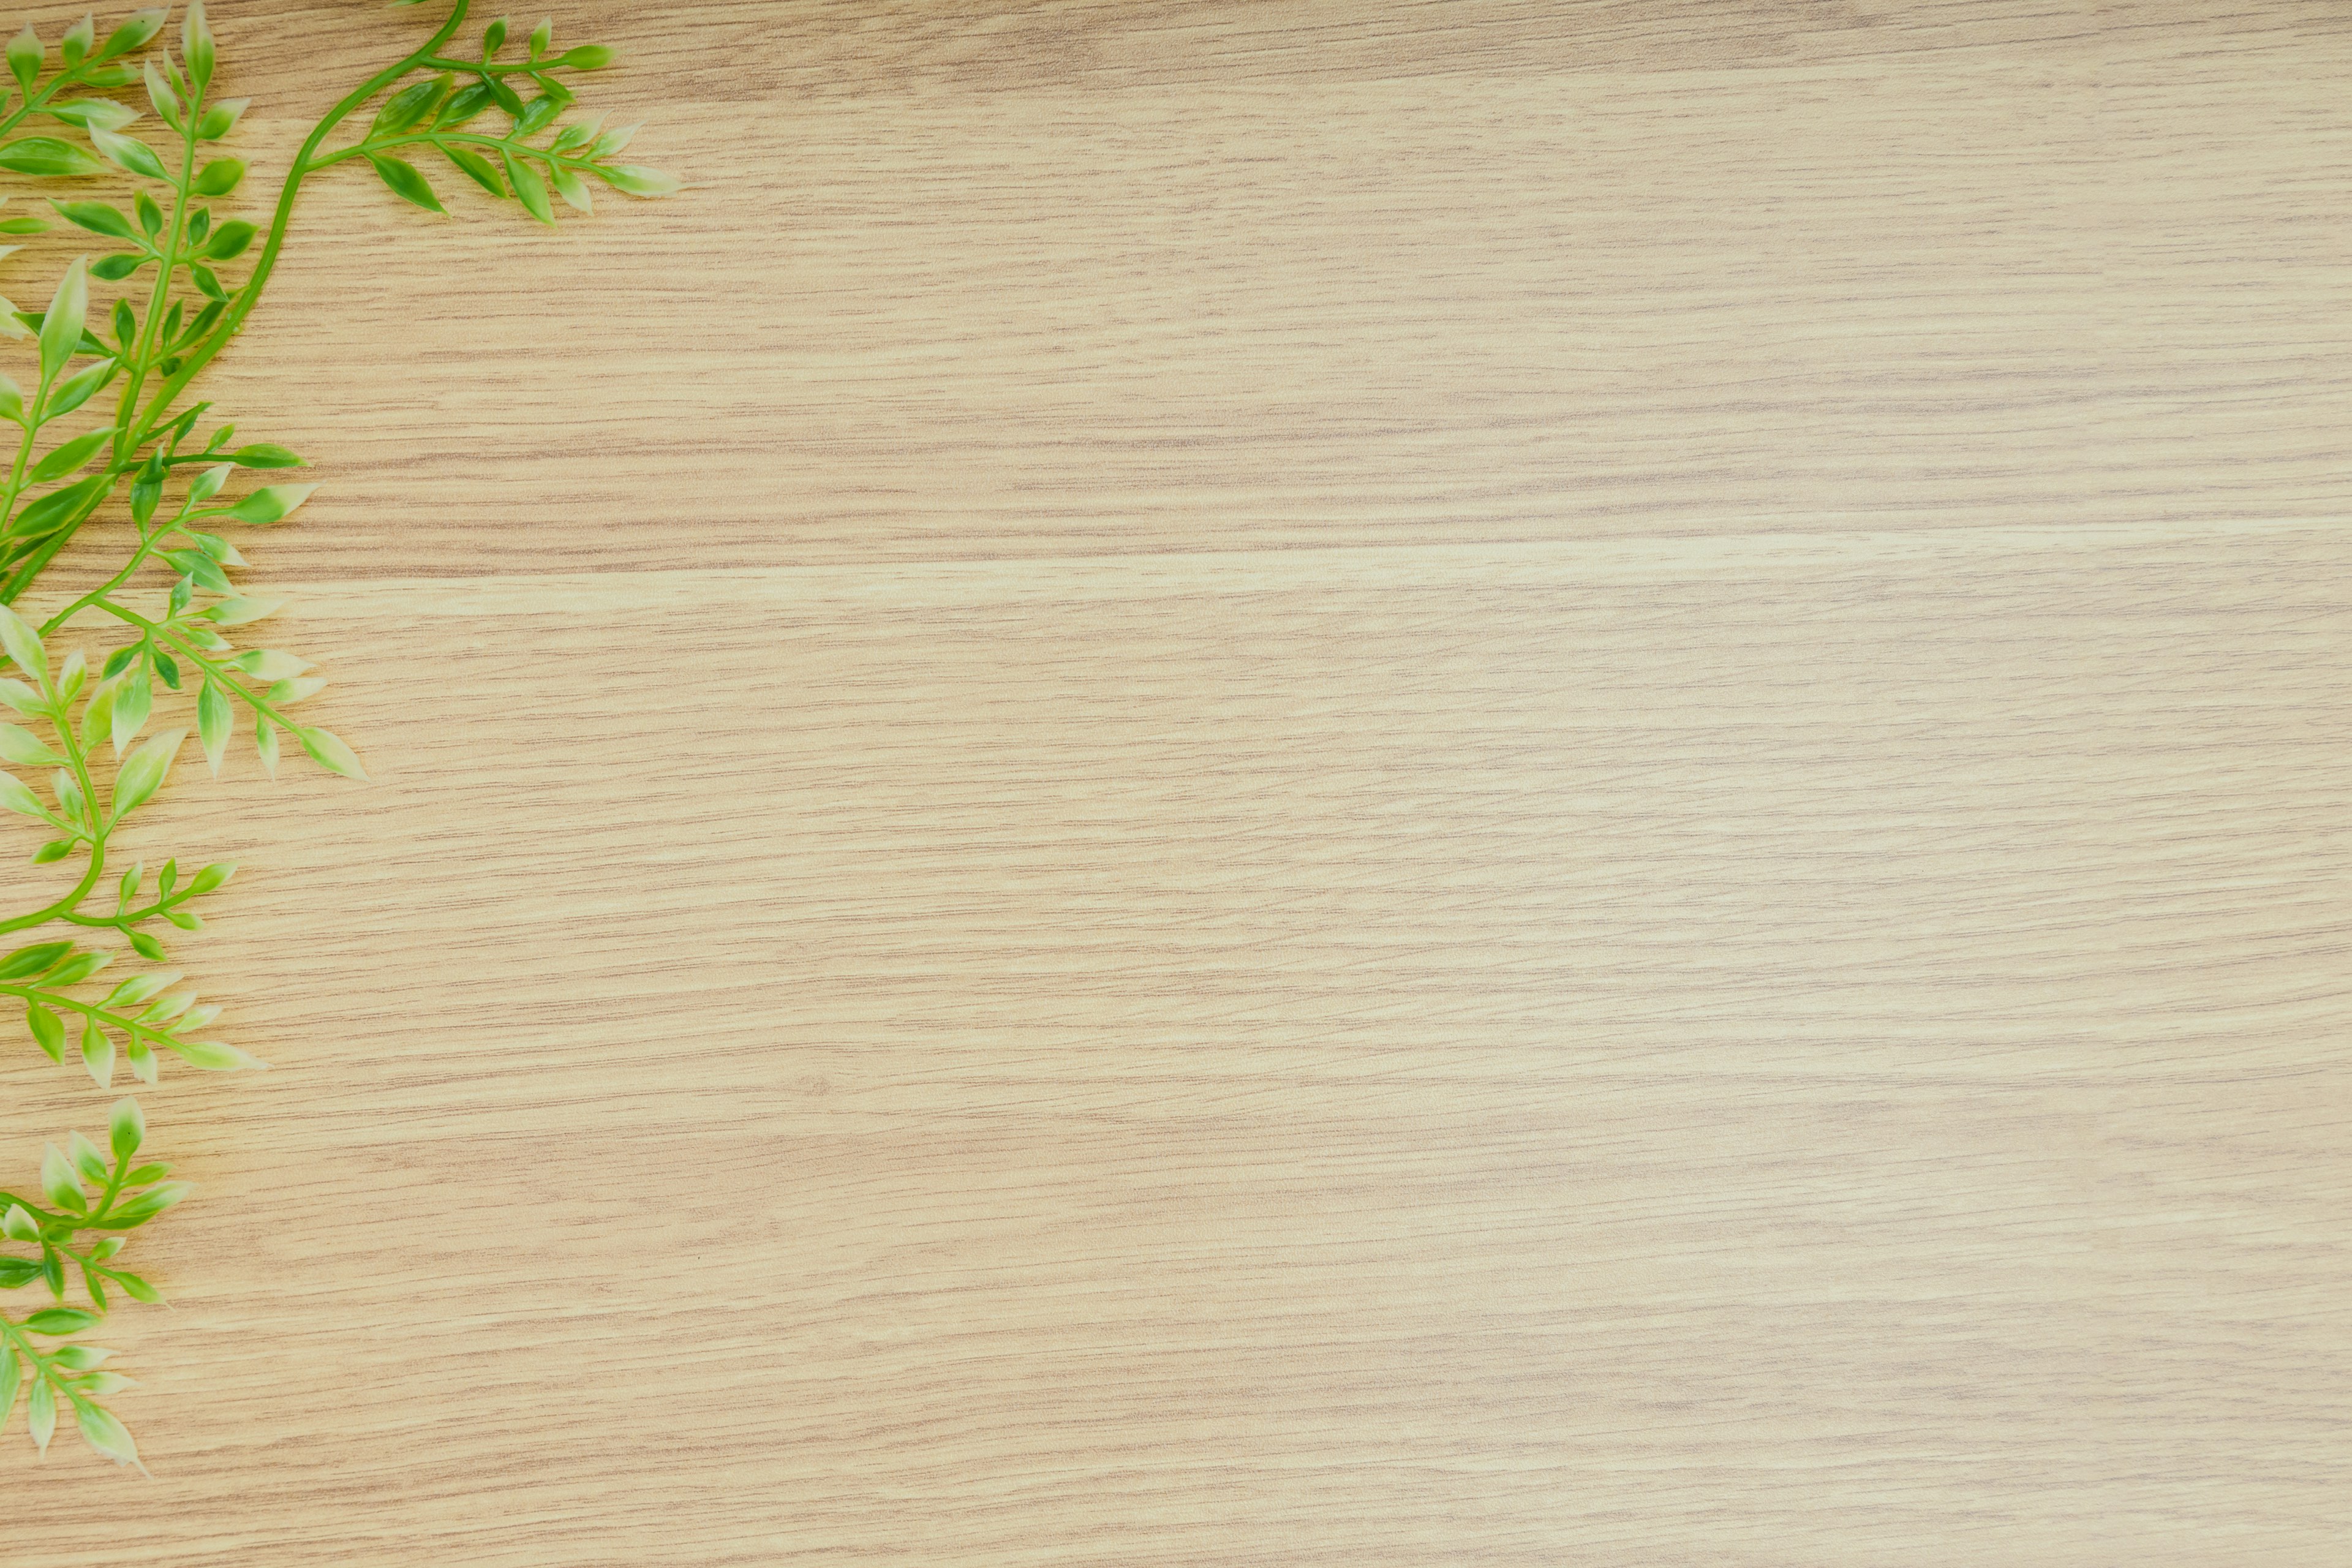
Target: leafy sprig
<point>189,272</point>
<point>40,1240</point>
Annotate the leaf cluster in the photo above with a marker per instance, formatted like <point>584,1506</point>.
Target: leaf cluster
<point>98,402</point>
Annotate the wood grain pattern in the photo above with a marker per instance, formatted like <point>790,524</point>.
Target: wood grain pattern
<point>1322,782</point>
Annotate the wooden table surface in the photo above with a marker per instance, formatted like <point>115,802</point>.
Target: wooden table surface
<point>1337,781</point>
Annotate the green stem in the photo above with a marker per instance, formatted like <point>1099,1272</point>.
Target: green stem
<point>26,570</point>
<point>409,139</point>
<point>16,473</point>
<point>182,193</point>
<point>138,558</point>
<point>490,67</point>
<point>127,919</point>
<point>65,908</point>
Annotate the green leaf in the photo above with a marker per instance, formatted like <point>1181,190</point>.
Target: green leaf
<point>38,959</point>
<point>24,56</point>
<point>141,773</point>
<point>87,1159</point>
<point>115,269</point>
<point>331,754</point>
<point>80,387</point>
<point>102,1432</point>
<point>22,747</point>
<point>475,167</point>
<point>196,44</point>
<point>141,987</point>
<point>268,664</point>
<point>638,182</point>
<point>229,241</point>
<point>72,455</point>
<point>135,30</point>
<point>219,177</point>
<point>41,1414</point>
<point>11,1378</point>
<point>464,104</point>
<point>75,970</point>
<point>45,157</point>
<point>587,57</point>
<point>17,796</point>
<point>220,118</point>
<point>61,324</point>
<point>58,1321</point>
<point>214,719</point>
<point>55,510</point>
<point>242,612</point>
<point>74,50</point>
<point>537,116</point>
<point>407,183</point>
<point>579,133</point>
<point>61,1184</point>
<point>127,152</point>
<point>406,108</point>
<point>24,646</point>
<point>272,504</point>
<point>126,1130</point>
<point>263,455</point>
<point>530,188</point>
<point>571,188</point>
<point>89,111</point>
<point>133,702</point>
<point>48,1032</point>
<point>506,96</point>
<point>98,218</point>
<point>165,99</point>
<point>147,488</point>
<point>211,1056</point>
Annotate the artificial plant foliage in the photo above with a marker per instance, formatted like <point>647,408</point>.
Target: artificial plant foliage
<point>97,729</point>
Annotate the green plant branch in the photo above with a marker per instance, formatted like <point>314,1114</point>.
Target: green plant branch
<point>46,498</point>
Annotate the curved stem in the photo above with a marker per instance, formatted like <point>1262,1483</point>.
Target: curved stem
<point>246,298</point>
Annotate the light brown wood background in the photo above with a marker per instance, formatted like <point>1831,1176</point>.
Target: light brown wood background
<point>1337,781</point>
